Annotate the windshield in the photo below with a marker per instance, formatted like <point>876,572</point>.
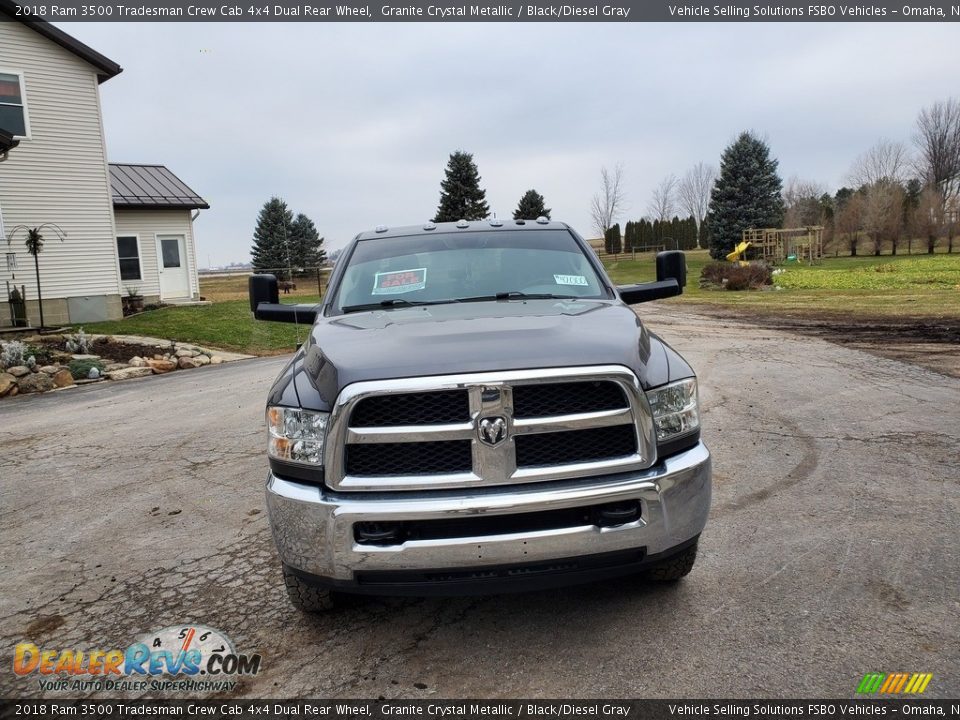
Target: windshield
<point>468,266</point>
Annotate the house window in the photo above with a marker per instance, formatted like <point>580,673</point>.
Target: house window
<point>13,109</point>
<point>128,249</point>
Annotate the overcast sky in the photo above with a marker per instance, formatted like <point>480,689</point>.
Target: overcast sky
<point>352,124</point>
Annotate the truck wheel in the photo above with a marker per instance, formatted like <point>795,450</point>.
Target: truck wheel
<point>676,567</point>
<point>305,597</point>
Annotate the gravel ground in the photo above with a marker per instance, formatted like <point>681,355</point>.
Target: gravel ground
<point>831,550</point>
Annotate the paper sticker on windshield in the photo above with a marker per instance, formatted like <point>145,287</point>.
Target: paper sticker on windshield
<point>570,280</point>
<point>399,281</point>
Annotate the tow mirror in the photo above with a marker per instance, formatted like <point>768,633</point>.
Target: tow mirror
<point>265,303</point>
<point>671,279</point>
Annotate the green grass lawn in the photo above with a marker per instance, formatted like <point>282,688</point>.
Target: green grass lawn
<point>887,286</point>
<point>918,286</point>
<point>225,325</point>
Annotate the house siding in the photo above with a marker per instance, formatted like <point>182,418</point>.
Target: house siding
<point>147,224</point>
<point>59,175</point>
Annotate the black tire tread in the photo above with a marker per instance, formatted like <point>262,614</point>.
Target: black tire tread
<point>676,567</point>
<point>305,597</point>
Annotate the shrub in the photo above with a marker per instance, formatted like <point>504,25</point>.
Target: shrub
<point>79,369</point>
<point>13,353</point>
<point>733,276</point>
<point>78,343</point>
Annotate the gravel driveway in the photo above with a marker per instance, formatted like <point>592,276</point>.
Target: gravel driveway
<point>831,551</point>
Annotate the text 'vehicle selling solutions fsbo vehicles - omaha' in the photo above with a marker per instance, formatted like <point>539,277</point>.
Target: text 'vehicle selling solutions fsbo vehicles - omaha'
<point>478,409</point>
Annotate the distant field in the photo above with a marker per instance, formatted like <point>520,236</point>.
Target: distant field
<point>925,286</point>
<point>234,287</point>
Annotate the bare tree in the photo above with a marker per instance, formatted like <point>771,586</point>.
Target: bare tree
<point>848,221</point>
<point>694,191</point>
<point>926,220</point>
<point>883,214</point>
<point>664,201</point>
<point>608,204</point>
<point>886,160</point>
<point>801,200</point>
<point>937,138</point>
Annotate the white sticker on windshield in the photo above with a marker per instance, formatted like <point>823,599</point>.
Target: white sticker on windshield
<point>570,280</point>
<point>399,281</point>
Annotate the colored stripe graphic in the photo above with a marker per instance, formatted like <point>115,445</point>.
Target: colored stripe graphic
<point>894,683</point>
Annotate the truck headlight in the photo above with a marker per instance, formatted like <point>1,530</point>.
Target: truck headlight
<point>296,435</point>
<point>675,409</point>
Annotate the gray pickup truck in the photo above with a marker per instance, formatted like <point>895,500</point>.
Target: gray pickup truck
<point>478,409</point>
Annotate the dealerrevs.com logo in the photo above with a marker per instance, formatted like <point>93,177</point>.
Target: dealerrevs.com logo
<point>894,683</point>
<point>179,658</point>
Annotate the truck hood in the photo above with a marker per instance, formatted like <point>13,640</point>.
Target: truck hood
<point>472,337</point>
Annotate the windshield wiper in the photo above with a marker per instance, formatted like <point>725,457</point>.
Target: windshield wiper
<point>517,295</point>
<point>393,302</point>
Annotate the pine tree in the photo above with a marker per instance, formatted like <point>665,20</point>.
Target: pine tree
<point>306,245</point>
<point>612,241</point>
<point>271,247</point>
<point>703,235</point>
<point>745,195</point>
<point>531,207</point>
<point>628,236</point>
<point>461,197</point>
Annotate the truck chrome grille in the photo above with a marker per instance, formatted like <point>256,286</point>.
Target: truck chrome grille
<point>574,446</point>
<point>485,429</point>
<point>567,398</point>
<point>418,458</point>
<point>427,408</point>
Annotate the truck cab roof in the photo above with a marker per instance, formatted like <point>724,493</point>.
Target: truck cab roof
<point>488,225</point>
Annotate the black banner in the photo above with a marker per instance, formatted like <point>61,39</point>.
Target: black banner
<point>468,709</point>
<point>489,11</point>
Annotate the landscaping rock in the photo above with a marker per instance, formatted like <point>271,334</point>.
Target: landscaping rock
<point>137,361</point>
<point>7,381</point>
<point>186,363</point>
<point>161,366</point>
<point>130,372</point>
<point>35,382</point>
<point>93,374</point>
<point>85,357</point>
<point>19,370</point>
<point>13,391</point>
<point>201,360</point>
<point>50,369</point>
<point>115,366</point>
<point>63,378</point>
<point>161,357</point>
<point>183,352</point>
<point>216,360</point>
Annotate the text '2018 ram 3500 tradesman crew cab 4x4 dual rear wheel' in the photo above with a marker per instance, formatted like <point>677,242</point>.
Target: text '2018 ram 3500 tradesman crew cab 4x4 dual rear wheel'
<point>477,408</point>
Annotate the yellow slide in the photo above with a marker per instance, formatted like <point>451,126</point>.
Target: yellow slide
<point>738,251</point>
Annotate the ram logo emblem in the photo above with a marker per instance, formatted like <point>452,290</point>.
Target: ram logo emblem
<point>492,430</point>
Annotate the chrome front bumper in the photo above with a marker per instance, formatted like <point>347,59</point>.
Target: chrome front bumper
<point>313,527</point>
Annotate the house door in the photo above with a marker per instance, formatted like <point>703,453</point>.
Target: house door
<point>174,275</point>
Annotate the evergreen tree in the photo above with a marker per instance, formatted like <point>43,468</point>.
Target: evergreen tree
<point>704,232</point>
<point>306,245</point>
<point>461,197</point>
<point>531,207</point>
<point>628,236</point>
<point>612,241</point>
<point>271,246</point>
<point>745,195</point>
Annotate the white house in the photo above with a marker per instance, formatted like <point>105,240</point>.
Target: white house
<point>128,227</point>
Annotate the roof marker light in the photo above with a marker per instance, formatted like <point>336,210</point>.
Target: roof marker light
<point>542,220</point>
<point>430,225</point>
<point>521,222</point>
<point>380,228</point>
<point>462,224</point>
<point>495,222</point>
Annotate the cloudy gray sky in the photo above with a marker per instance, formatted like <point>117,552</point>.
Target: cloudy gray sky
<point>352,124</point>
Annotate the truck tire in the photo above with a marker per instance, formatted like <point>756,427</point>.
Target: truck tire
<point>305,597</point>
<point>676,567</point>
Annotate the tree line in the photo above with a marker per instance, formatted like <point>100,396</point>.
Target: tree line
<point>897,195</point>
